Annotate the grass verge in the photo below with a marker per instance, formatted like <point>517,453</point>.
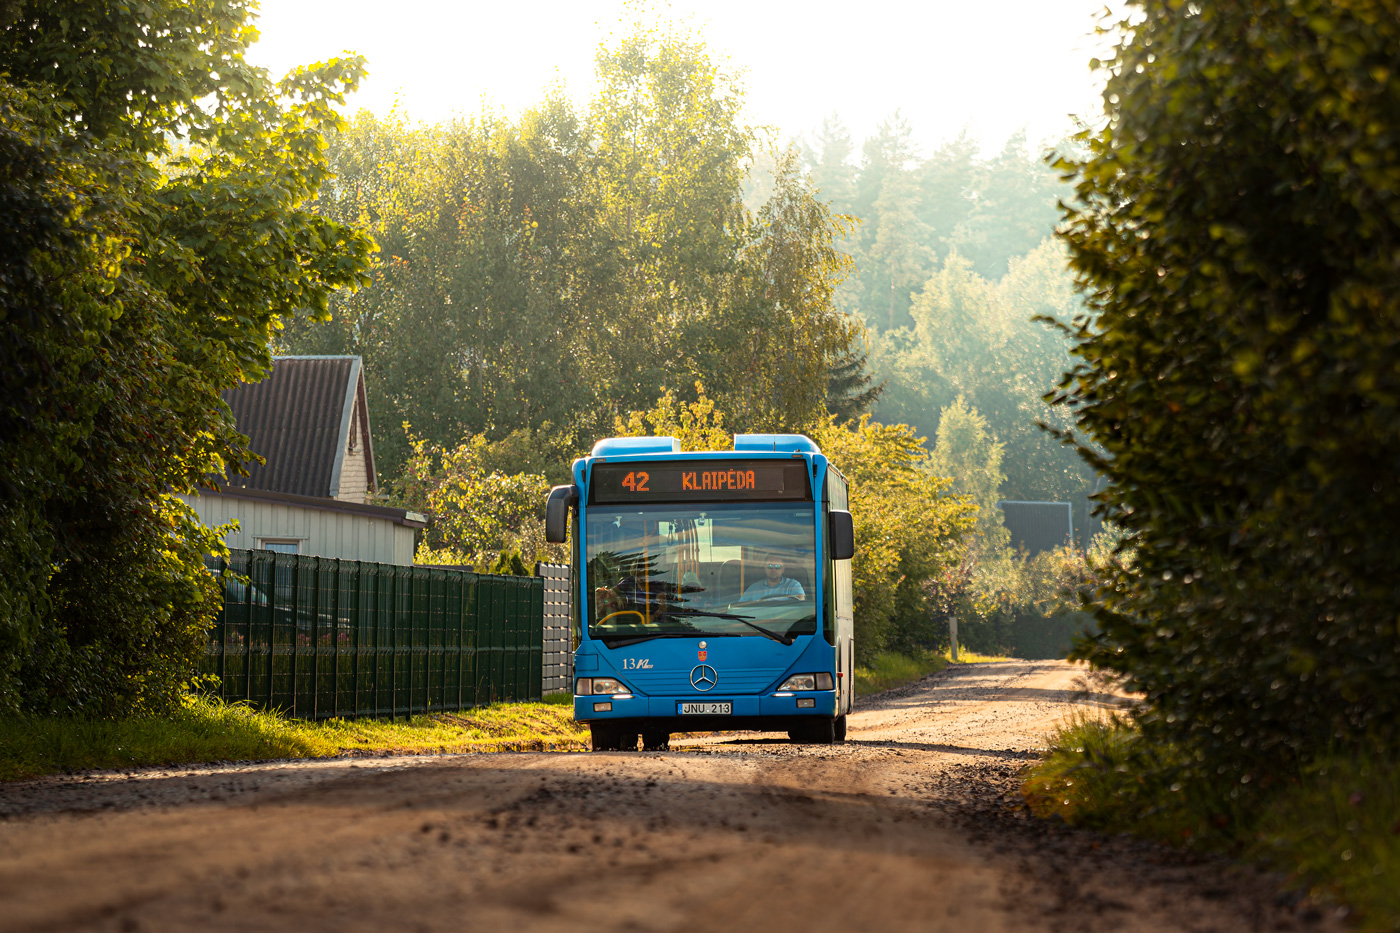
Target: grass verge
<point>208,730</point>
<point>1334,828</point>
<point>890,669</point>
<point>972,657</point>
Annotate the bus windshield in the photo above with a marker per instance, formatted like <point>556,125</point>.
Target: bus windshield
<point>712,570</point>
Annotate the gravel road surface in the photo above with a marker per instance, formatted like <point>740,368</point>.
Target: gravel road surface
<point>912,824</point>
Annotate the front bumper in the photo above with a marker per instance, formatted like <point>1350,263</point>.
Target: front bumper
<point>748,709</point>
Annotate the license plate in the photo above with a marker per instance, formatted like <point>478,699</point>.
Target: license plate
<point>707,709</point>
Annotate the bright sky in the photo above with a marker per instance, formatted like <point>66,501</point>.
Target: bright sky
<point>992,66</point>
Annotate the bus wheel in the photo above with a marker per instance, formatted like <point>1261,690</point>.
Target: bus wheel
<point>655,741</point>
<point>605,738</point>
<point>840,729</point>
<point>816,732</point>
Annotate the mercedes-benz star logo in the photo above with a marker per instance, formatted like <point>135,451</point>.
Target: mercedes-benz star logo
<point>703,677</point>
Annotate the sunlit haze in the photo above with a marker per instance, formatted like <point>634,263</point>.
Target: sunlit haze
<point>989,67</point>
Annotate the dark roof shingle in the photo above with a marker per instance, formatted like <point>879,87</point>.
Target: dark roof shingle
<point>296,420</point>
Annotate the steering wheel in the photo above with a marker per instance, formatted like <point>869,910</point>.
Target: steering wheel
<point>641,619</point>
<point>769,599</point>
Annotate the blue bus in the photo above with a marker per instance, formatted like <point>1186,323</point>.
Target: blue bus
<point>712,590</point>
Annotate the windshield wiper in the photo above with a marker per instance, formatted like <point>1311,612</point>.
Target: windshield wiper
<point>730,617</point>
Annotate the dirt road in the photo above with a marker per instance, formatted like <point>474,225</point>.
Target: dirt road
<point>909,825</point>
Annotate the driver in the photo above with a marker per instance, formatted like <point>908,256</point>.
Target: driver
<point>773,583</point>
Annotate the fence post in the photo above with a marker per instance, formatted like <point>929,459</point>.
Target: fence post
<point>335,641</point>
<point>315,638</point>
<point>953,635</point>
<point>355,644</point>
<point>461,633</point>
<point>271,628</point>
<point>222,628</point>
<point>394,646</point>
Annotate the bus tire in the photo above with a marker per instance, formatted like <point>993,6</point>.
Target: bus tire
<point>816,732</point>
<point>840,728</point>
<point>655,741</point>
<point>605,738</point>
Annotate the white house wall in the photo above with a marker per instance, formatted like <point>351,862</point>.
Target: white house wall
<point>354,470</point>
<point>321,533</point>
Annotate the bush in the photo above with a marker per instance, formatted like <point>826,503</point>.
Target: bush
<point>1025,607</point>
<point>479,514</point>
<point>908,532</point>
<point>152,223</point>
<point>1235,230</point>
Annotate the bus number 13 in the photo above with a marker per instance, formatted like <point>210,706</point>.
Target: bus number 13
<point>637,482</point>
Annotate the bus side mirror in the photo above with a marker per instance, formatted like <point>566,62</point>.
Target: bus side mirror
<point>556,513</point>
<point>843,535</point>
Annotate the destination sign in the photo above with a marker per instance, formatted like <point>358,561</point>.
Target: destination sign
<point>699,481</point>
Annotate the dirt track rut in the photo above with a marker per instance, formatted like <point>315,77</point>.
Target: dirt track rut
<point>912,824</point>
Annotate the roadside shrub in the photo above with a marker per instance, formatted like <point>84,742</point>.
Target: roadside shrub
<point>1026,607</point>
<point>479,513</point>
<point>154,235</point>
<point>1332,827</point>
<point>1235,232</point>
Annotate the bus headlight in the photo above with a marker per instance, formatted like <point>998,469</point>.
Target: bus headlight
<point>591,686</point>
<point>819,681</point>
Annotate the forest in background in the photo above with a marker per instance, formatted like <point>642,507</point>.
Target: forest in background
<point>952,265</point>
<point>539,277</point>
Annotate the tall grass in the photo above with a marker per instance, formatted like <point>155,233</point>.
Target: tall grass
<point>890,669</point>
<point>208,730</point>
<point>966,656</point>
<point>1334,828</point>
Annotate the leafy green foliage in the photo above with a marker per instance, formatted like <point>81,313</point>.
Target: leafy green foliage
<point>480,514</point>
<point>697,425</point>
<point>908,531</point>
<point>553,272</point>
<point>1235,231</point>
<point>965,452</point>
<point>976,338</point>
<point>512,563</point>
<point>143,282</point>
<point>1013,604</point>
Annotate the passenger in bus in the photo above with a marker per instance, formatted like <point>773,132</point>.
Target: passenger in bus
<point>773,582</point>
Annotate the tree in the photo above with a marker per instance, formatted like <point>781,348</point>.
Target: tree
<point>1015,208</point>
<point>1234,229</point>
<point>989,342</point>
<point>971,457</point>
<point>548,274</point>
<point>697,425</point>
<point>908,531</point>
<point>479,514</point>
<point>145,279</point>
<point>849,389</point>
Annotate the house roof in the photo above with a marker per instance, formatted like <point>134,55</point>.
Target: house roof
<point>397,516</point>
<point>298,420</point>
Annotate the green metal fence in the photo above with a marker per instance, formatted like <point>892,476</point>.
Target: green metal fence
<point>317,637</point>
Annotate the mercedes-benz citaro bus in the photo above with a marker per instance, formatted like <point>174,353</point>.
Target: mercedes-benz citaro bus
<point>712,590</point>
